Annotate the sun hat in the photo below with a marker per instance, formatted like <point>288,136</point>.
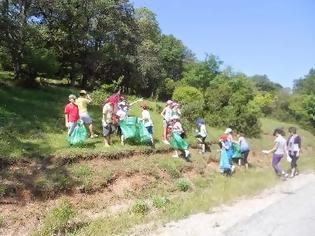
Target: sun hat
<point>83,92</point>
<point>169,102</point>
<point>228,130</point>
<point>72,96</point>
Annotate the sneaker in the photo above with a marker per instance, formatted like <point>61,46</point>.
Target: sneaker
<point>187,154</point>
<point>107,145</point>
<point>232,168</point>
<point>94,136</point>
<point>175,156</point>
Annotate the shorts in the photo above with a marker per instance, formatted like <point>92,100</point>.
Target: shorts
<point>85,117</point>
<point>150,129</point>
<point>202,139</point>
<point>71,126</point>
<point>108,130</point>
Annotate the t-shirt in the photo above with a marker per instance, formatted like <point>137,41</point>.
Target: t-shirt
<point>82,104</point>
<point>107,114</point>
<point>178,128</point>
<point>202,131</point>
<point>167,114</point>
<point>122,114</point>
<point>72,112</point>
<point>243,144</point>
<point>294,146</point>
<point>280,145</point>
<point>146,118</point>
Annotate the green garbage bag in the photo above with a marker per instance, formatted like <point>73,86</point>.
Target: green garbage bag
<point>236,151</point>
<point>78,135</point>
<point>129,127</point>
<point>144,135</point>
<point>177,142</point>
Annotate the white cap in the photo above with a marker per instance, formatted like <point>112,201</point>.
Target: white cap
<point>228,130</point>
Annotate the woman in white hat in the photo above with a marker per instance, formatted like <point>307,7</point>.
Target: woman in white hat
<point>166,114</point>
<point>177,141</point>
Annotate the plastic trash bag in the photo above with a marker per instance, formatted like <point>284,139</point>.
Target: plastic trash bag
<point>177,142</point>
<point>78,135</point>
<point>143,135</point>
<point>129,127</point>
<point>236,151</point>
<point>224,160</point>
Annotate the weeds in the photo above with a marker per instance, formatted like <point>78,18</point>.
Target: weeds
<point>183,185</point>
<point>140,207</point>
<point>57,220</point>
<point>2,221</point>
<point>160,202</point>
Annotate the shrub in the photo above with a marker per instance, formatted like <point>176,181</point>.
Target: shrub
<point>58,219</point>
<point>140,207</point>
<point>183,185</point>
<point>160,202</point>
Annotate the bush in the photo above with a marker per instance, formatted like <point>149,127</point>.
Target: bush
<point>58,219</point>
<point>140,207</point>
<point>183,185</point>
<point>160,202</point>
<point>166,89</point>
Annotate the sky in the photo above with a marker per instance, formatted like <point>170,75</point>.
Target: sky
<point>271,37</point>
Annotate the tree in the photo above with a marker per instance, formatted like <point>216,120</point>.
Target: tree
<point>200,74</point>
<point>263,84</point>
<point>306,85</point>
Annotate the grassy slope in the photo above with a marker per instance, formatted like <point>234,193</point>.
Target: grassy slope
<point>31,122</point>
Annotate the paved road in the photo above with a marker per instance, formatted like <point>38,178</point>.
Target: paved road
<point>285,210</point>
<point>292,216</point>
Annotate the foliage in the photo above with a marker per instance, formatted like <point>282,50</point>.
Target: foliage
<point>140,207</point>
<point>306,85</point>
<point>183,185</point>
<point>263,84</point>
<point>2,221</point>
<point>266,102</point>
<point>230,103</point>
<point>166,89</point>
<point>57,219</point>
<point>160,201</point>
<point>200,74</point>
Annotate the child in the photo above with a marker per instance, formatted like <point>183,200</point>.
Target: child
<point>278,150</point>
<point>122,113</point>
<point>166,114</point>
<point>294,148</point>
<point>177,142</point>
<point>244,148</point>
<point>225,162</point>
<point>71,114</point>
<point>201,134</point>
<point>147,121</point>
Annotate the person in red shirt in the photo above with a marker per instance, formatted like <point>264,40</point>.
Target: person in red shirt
<point>71,114</point>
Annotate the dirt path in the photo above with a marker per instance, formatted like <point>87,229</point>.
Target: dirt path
<point>231,220</point>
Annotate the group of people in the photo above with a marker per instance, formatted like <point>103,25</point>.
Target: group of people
<point>231,149</point>
<point>290,147</point>
<point>115,110</point>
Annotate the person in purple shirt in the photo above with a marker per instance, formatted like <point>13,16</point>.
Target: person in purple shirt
<point>294,149</point>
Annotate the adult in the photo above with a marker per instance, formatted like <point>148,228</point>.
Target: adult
<point>244,146</point>
<point>107,121</point>
<point>294,149</point>
<point>166,114</point>
<point>229,146</point>
<point>82,103</point>
<point>71,114</point>
<point>278,150</point>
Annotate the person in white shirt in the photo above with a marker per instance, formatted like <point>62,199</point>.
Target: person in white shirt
<point>166,114</point>
<point>201,134</point>
<point>180,143</point>
<point>146,119</point>
<point>279,150</point>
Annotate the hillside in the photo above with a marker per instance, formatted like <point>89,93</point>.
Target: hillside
<point>97,190</point>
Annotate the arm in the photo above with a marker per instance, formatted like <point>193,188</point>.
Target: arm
<point>274,148</point>
<point>88,98</point>
<point>66,120</point>
<point>163,112</point>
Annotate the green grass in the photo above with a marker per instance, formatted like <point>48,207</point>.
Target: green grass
<point>32,122</point>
